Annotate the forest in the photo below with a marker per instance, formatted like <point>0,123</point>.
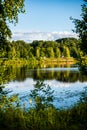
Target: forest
<point>65,47</point>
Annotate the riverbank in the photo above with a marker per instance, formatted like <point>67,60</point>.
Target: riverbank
<point>43,62</point>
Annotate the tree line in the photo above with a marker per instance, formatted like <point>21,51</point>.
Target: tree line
<point>9,14</point>
<point>65,47</point>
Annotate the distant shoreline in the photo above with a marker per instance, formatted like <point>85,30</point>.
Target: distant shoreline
<point>38,61</point>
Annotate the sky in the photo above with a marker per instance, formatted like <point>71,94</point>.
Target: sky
<point>46,20</point>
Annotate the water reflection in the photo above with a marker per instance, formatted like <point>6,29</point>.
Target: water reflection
<point>64,81</point>
<point>60,74</point>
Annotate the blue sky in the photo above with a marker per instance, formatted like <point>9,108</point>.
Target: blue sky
<point>46,16</point>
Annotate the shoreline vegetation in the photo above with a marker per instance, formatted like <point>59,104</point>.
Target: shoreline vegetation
<point>38,61</point>
<point>43,115</point>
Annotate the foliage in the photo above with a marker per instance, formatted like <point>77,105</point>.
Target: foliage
<point>5,100</point>
<point>57,52</point>
<point>9,10</point>
<point>14,117</point>
<point>42,95</point>
<point>81,30</point>
<point>81,27</point>
<point>66,52</point>
<point>83,64</point>
<point>40,49</point>
<point>72,44</point>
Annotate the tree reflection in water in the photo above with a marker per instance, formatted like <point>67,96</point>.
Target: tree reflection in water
<point>21,73</point>
<point>59,75</point>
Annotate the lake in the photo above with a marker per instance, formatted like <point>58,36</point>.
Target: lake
<point>67,82</point>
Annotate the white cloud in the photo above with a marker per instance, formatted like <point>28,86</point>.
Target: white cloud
<point>31,36</point>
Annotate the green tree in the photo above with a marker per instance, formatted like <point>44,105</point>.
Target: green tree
<point>43,52</point>
<point>2,53</point>
<point>38,52</point>
<point>9,10</point>
<point>57,52</point>
<point>81,27</point>
<point>74,52</point>
<point>30,52</point>
<point>50,52</point>
<point>66,51</point>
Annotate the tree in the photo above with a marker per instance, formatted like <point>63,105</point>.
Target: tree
<point>43,52</point>
<point>66,51</point>
<point>9,10</point>
<point>81,27</point>
<point>50,52</point>
<point>38,52</point>
<point>75,52</point>
<point>57,52</point>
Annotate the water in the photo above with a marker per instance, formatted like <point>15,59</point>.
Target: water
<point>67,83</point>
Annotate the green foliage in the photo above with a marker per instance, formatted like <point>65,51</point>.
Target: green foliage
<point>72,44</point>
<point>66,52</point>
<point>5,101</point>
<point>42,95</point>
<point>75,53</point>
<point>38,52</point>
<point>57,53</point>
<point>50,52</point>
<point>83,64</point>
<point>38,49</point>
<point>9,10</point>
<point>81,30</point>
<point>81,27</point>
<point>44,118</point>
